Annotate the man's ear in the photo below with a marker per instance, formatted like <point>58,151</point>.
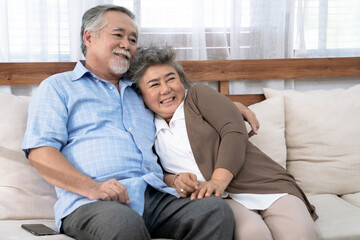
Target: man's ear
<point>88,36</point>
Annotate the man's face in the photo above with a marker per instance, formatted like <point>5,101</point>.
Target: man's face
<point>115,44</point>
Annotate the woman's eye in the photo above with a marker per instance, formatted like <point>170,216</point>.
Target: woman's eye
<point>154,85</point>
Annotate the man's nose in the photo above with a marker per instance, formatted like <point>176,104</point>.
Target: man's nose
<point>125,44</point>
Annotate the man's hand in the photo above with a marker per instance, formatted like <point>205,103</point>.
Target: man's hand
<point>110,190</point>
<point>250,117</point>
<point>185,184</point>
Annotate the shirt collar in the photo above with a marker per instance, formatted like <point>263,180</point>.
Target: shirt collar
<point>80,70</point>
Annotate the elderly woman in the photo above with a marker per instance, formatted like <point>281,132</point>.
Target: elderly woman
<point>203,146</point>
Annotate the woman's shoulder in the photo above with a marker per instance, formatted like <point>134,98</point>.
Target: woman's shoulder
<point>201,89</point>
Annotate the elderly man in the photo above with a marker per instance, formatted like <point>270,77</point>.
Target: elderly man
<point>90,135</point>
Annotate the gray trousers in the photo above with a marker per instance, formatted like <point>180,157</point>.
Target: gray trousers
<point>165,216</point>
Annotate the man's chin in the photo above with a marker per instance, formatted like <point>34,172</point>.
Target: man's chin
<point>120,68</point>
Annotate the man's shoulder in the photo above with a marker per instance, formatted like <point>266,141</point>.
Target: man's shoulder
<point>58,79</point>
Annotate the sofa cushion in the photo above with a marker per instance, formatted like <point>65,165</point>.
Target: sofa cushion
<point>322,138</point>
<point>353,199</point>
<point>338,219</point>
<point>24,194</point>
<point>271,135</point>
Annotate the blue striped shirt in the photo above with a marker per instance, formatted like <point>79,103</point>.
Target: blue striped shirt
<point>102,133</point>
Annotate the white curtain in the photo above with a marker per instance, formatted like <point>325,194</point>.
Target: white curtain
<point>48,30</point>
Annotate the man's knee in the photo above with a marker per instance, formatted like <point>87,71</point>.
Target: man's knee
<point>218,211</point>
<point>105,220</point>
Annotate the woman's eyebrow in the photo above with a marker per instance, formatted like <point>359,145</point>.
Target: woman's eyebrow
<point>169,74</point>
<point>153,80</point>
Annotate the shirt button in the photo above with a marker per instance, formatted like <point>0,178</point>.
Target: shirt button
<point>97,80</point>
<point>130,129</point>
<point>111,88</point>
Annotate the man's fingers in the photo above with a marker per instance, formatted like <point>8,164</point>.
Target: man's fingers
<point>112,190</point>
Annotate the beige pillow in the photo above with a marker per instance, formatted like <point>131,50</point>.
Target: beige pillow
<point>24,194</point>
<point>323,138</point>
<point>271,137</point>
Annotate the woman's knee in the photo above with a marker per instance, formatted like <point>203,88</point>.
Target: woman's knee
<point>248,224</point>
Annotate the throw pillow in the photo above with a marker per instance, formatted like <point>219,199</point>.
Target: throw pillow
<point>24,194</point>
<point>322,138</point>
<point>271,137</point>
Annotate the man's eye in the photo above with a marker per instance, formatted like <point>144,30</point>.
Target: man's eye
<point>170,79</point>
<point>118,35</point>
<point>133,41</point>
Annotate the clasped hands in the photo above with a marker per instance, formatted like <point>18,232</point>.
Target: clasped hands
<point>186,184</point>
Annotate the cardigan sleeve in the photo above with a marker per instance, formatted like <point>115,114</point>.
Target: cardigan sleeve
<point>227,120</point>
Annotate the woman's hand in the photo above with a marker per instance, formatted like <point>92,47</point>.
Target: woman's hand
<point>250,117</point>
<point>206,189</point>
<point>219,181</point>
<point>185,184</point>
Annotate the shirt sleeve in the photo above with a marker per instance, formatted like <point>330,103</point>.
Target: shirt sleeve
<point>47,118</point>
<point>220,112</point>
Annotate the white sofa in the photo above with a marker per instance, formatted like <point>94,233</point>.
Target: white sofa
<point>315,135</point>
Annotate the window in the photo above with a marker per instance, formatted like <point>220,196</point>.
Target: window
<point>331,27</point>
<point>38,30</point>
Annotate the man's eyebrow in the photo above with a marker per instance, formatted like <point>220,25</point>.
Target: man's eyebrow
<point>118,29</point>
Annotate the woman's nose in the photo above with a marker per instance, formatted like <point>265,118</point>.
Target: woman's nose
<point>165,88</point>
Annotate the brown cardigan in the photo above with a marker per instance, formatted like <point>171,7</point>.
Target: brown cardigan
<point>218,139</point>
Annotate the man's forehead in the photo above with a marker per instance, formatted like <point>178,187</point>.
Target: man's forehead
<point>120,22</point>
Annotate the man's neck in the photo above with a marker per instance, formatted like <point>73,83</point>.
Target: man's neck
<point>107,76</point>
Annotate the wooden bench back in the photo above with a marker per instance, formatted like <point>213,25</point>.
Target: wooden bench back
<point>221,71</point>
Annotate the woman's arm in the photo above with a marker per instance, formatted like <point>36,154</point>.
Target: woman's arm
<point>222,115</point>
<point>219,112</point>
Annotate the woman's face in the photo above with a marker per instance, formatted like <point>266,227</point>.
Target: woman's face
<point>162,90</point>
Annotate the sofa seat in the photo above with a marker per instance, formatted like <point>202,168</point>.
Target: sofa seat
<point>338,219</point>
<point>11,230</point>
